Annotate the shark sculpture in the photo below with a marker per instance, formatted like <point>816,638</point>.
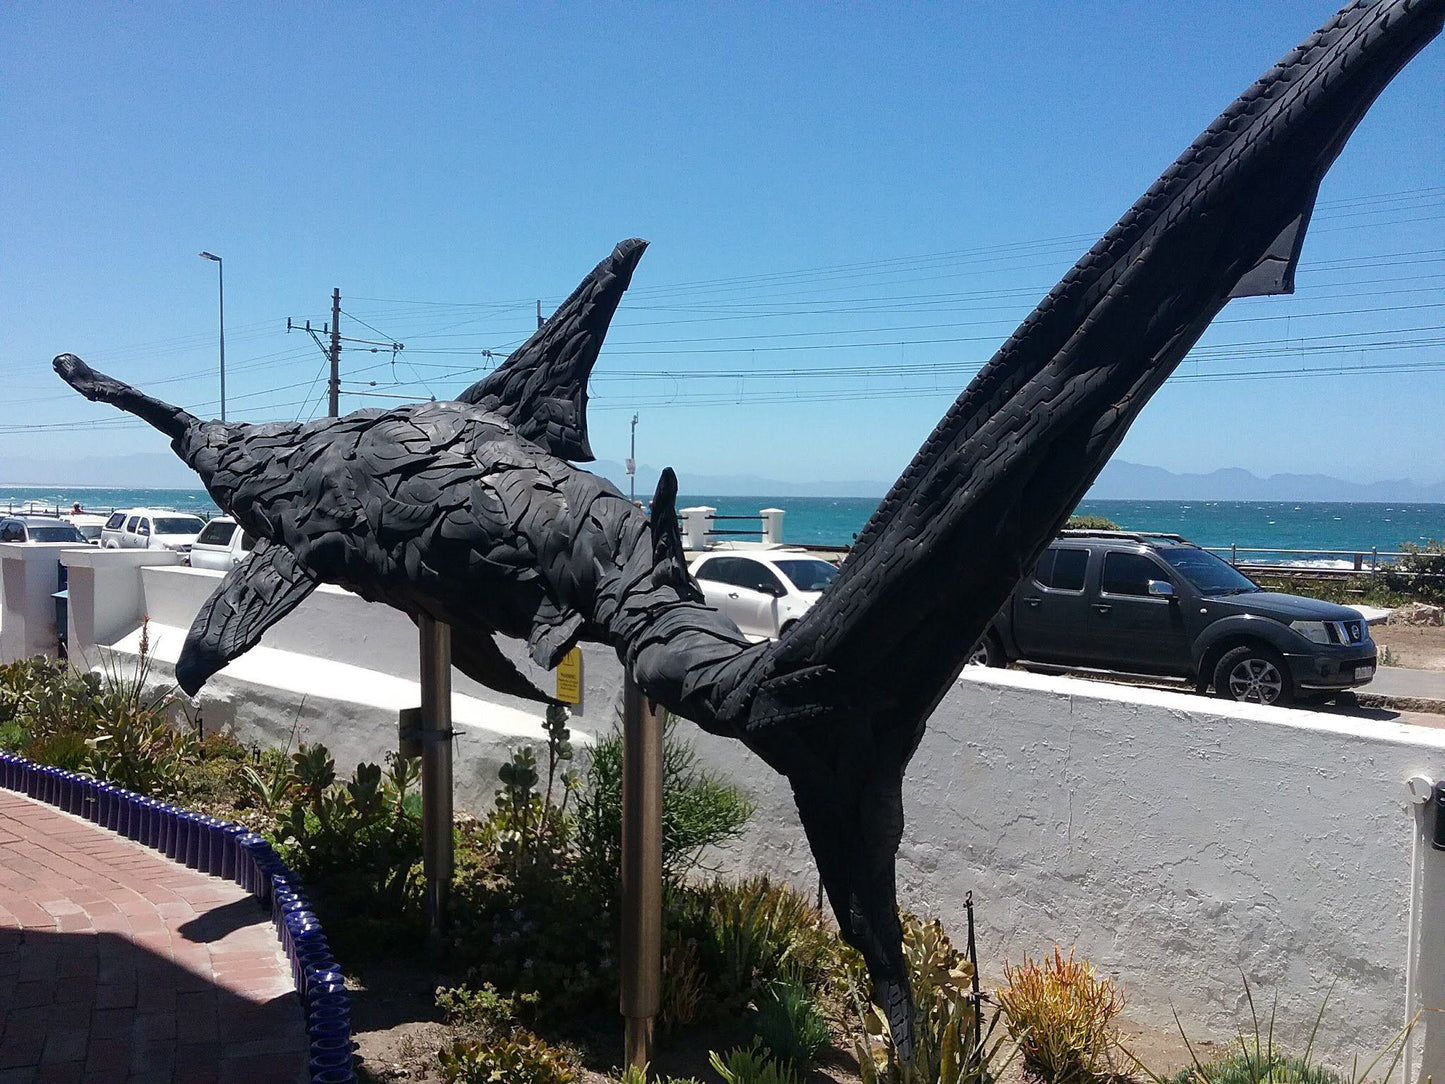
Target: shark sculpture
<point>472,511</point>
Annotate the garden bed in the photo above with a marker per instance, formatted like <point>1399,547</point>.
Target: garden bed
<point>758,988</point>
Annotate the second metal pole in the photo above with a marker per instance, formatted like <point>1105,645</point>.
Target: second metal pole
<point>436,770</point>
<point>641,871</point>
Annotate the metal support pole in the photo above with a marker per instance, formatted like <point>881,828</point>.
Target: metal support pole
<point>436,770</point>
<point>641,871</point>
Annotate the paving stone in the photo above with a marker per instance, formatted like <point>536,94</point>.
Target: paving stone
<point>99,984</point>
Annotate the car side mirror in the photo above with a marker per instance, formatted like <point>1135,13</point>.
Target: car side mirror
<point>1161,589</point>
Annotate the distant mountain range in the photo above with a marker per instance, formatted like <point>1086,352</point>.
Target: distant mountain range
<point>1120,480</point>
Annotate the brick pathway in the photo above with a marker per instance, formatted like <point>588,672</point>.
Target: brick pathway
<point>117,964</point>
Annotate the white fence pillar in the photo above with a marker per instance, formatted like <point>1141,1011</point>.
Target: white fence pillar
<point>31,573</point>
<point>107,596</point>
<point>772,525</point>
<point>696,527</point>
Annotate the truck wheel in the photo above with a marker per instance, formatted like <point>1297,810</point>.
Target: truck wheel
<point>1253,675</point>
<point>987,652</point>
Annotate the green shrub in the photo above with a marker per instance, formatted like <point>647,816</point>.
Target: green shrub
<point>519,1058</point>
<point>638,1075</point>
<point>140,751</point>
<point>788,1021</point>
<point>1420,574</point>
<point>357,844</point>
<point>1061,1012</point>
<point>750,935</point>
<point>1251,1067</point>
<point>750,1065</point>
<point>526,827</point>
<point>65,749</point>
<point>481,1008</point>
<point>700,809</point>
<point>949,1045</point>
<point>1091,523</point>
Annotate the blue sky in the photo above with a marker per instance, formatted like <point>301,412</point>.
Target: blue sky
<point>849,208</point>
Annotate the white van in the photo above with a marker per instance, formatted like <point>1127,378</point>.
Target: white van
<point>222,545</point>
<point>150,529</point>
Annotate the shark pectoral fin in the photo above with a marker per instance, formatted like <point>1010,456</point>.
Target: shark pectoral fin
<point>553,635</point>
<point>253,596</point>
<point>482,660</point>
<point>1274,272</point>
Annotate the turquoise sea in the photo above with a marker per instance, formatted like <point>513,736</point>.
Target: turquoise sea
<point>1262,524</point>
<point>835,520</point>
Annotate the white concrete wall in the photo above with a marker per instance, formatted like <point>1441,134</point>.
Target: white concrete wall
<point>106,594</point>
<point>30,574</point>
<point>338,670</point>
<point>1178,841</point>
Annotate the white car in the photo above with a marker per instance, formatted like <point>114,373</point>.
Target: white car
<point>88,524</point>
<point>763,593</point>
<point>150,529</point>
<point>221,545</point>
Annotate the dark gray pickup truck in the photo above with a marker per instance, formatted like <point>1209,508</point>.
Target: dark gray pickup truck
<point>1157,604</point>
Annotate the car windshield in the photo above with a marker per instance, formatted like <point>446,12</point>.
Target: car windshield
<point>178,525</point>
<point>1208,573</point>
<point>90,530</point>
<point>55,534</point>
<point>808,575</point>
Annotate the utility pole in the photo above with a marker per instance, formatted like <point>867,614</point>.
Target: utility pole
<point>539,312</point>
<point>632,464</point>
<point>335,402</point>
<point>332,350</point>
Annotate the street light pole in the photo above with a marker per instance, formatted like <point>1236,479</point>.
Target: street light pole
<point>221,289</point>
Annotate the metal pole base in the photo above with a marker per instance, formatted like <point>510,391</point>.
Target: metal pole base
<point>436,774</point>
<point>641,871</point>
<point>637,1040</point>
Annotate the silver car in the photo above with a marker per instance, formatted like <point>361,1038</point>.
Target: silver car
<point>222,545</point>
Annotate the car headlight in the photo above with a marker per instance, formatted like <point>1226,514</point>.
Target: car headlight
<point>1317,632</point>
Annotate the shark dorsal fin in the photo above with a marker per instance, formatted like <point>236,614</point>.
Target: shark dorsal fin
<point>542,388</point>
<point>253,596</point>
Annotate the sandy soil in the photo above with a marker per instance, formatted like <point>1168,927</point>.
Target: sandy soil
<point>1416,647</point>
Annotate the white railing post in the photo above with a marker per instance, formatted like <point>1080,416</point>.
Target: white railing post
<point>772,525</point>
<point>697,527</point>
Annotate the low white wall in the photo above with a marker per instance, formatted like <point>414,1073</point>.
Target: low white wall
<point>29,572</point>
<point>1178,841</point>
<point>338,670</point>
<point>106,594</point>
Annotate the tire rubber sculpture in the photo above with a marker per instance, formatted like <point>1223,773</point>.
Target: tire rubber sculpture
<point>471,512</point>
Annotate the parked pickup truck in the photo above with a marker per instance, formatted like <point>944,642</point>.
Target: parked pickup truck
<point>1157,604</point>
<point>150,528</point>
<point>222,544</point>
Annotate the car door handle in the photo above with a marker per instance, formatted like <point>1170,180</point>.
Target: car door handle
<point>1102,607</point>
<point>732,594</point>
<point>1032,601</point>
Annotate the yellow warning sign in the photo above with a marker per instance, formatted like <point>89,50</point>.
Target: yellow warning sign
<point>569,678</point>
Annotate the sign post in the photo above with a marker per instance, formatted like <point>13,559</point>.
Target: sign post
<point>569,679</point>
<point>641,871</point>
<point>436,771</point>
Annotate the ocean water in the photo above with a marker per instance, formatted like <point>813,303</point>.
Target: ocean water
<point>835,520</point>
<point>1254,524</point>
